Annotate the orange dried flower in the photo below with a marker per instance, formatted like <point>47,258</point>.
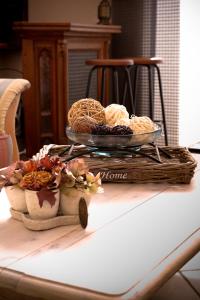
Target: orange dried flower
<point>36,180</point>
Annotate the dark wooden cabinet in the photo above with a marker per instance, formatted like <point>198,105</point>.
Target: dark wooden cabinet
<point>53,59</point>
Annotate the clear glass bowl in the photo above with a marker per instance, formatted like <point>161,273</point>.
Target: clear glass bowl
<point>114,141</point>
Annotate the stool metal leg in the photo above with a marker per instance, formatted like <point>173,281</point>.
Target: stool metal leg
<point>135,78</point>
<point>116,85</point>
<point>151,98</point>
<point>124,92</point>
<point>127,74</point>
<point>162,105</point>
<point>125,88</point>
<point>103,85</point>
<point>127,83</point>
<point>89,81</point>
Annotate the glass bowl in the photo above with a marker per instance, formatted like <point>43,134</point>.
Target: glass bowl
<point>114,141</point>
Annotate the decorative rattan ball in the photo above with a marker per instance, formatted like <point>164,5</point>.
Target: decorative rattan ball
<point>114,112</point>
<point>86,107</point>
<point>83,124</point>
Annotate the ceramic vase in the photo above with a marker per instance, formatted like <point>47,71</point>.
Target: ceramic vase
<point>46,211</point>
<point>69,201</point>
<point>16,197</point>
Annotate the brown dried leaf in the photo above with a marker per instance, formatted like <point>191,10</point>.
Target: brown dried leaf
<point>48,195</point>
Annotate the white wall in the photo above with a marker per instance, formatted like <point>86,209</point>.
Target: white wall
<point>77,11</point>
<point>189,111</point>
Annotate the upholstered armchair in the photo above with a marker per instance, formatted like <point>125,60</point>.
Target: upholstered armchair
<point>10,93</point>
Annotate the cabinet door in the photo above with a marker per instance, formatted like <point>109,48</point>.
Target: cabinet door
<point>40,109</point>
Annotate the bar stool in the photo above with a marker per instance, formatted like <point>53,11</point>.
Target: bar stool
<point>151,63</point>
<point>115,65</point>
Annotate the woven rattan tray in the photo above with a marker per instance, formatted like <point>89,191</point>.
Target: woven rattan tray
<point>175,164</point>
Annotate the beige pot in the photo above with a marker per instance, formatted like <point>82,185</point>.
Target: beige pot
<point>46,211</point>
<point>16,197</point>
<point>69,201</point>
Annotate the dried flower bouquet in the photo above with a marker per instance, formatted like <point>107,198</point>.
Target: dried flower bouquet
<point>53,182</point>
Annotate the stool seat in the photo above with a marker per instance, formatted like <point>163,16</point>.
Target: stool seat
<point>141,60</point>
<point>110,62</point>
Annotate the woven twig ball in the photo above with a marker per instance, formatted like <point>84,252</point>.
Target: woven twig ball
<point>114,112</point>
<point>83,124</point>
<point>86,107</point>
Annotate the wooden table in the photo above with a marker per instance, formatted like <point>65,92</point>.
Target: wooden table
<point>137,237</point>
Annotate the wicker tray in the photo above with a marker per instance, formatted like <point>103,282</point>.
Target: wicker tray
<point>175,164</point>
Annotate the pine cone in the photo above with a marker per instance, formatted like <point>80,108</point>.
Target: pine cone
<point>101,130</point>
<point>121,130</point>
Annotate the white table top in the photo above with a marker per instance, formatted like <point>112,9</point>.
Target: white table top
<point>138,236</point>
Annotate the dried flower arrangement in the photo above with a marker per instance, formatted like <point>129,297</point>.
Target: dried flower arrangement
<point>48,174</point>
<point>41,175</point>
<point>76,174</point>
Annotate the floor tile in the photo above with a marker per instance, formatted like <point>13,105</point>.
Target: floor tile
<point>194,278</point>
<point>176,288</point>
<point>193,264</point>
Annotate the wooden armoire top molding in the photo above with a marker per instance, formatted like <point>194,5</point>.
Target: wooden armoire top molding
<point>65,28</point>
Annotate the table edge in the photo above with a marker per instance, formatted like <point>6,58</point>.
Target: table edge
<point>153,280</point>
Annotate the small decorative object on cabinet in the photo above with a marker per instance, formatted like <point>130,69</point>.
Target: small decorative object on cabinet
<point>104,12</point>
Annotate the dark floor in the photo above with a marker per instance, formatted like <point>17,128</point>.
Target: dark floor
<point>184,285</point>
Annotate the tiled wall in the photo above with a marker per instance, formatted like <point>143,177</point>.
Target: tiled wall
<point>151,28</point>
<point>167,46</point>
